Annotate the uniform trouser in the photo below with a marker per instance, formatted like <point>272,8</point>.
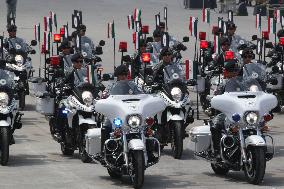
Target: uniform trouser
<point>11,10</point>
<point>216,131</point>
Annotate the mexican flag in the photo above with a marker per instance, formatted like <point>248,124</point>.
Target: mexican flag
<point>53,19</point>
<point>258,21</point>
<point>110,30</point>
<point>137,14</point>
<point>217,44</point>
<point>45,23</point>
<point>91,74</point>
<point>206,15</point>
<point>193,26</point>
<point>46,41</point>
<point>137,40</point>
<point>271,25</point>
<point>37,32</point>
<point>130,22</point>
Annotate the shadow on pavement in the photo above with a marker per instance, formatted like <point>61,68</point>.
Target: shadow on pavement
<point>20,160</point>
<point>150,181</point>
<point>186,155</point>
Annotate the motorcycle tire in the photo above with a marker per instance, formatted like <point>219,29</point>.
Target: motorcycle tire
<point>138,169</point>
<point>4,148</point>
<point>22,101</point>
<point>114,174</point>
<point>255,171</point>
<point>218,170</point>
<point>177,143</point>
<point>66,151</point>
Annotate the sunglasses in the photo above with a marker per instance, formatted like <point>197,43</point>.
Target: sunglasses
<point>231,28</point>
<point>12,31</point>
<point>83,30</point>
<point>247,56</point>
<point>226,44</point>
<point>79,61</point>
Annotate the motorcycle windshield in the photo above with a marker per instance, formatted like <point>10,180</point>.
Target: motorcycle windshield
<point>7,79</point>
<point>86,50</point>
<point>239,84</point>
<point>125,88</point>
<point>254,71</point>
<point>173,72</point>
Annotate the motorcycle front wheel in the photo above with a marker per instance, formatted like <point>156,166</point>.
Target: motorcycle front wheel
<point>177,139</point>
<point>4,145</point>
<point>138,169</point>
<point>255,167</point>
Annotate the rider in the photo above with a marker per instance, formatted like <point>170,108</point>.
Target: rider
<point>65,53</point>
<point>156,45</point>
<point>166,57</point>
<point>14,42</point>
<point>218,60</point>
<point>233,84</point>
<point>235,40</point>
<point>85,41</point>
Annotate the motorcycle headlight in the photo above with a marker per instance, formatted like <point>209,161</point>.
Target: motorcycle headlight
<point>254,88</point>
<point>251,118</point>
<point>19,59</point>
<point>4,99</point>
<point>134,121</point>
<point>176,93</point>
<point>87,98</point>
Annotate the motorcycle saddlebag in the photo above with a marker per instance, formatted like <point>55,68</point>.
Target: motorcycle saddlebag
<point>37,86</point>
<point>45,105</point>
<point>93,141</point>
<point>201,136</point>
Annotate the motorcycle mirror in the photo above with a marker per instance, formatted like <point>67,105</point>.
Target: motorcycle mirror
<point>106,77</point>
<point>254,37</point>
<point>98,59</point>
<point>191,82</point>
<point>126,58</point>
<point>98,51</point>
<point>33,43</point>
<point>149,40</point>
<point>102,43</point>
<point>273,81</point>
<point>269,45</point>
<point>33,51</point>
<point>185,39</point>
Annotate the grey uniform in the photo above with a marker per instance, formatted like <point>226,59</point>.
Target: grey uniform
<point>16,43</point>
<point>68,67</point>
<point>236,41</point>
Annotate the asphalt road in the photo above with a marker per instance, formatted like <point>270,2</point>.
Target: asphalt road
<point>36,160</point>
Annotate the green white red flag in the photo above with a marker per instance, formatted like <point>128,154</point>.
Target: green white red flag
<point>91,74</point>
<point>206,15</point>
<point>110,30</point>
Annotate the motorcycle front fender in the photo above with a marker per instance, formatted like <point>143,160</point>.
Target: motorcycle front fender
<point>136,144</point>
<point>175,117</point>
<point>89,121</point>
<point>254,140</point>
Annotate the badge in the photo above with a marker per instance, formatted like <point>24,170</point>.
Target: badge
<point>254,75</point>
<point>130,91</point>
<point>18,46</point>
<point>3,82</point>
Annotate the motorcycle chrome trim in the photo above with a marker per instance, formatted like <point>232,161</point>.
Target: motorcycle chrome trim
<point>136,144</point>
<point>78,105</point>
<point>175,117</point>
<point>243,147</point>
<point>172,103</point>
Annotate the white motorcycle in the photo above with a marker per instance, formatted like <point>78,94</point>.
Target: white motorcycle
<point>10,118</point>
<point>245,144</point>
<point>131,147</point>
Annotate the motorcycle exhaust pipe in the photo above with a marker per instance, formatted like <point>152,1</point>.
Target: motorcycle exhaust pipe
<point>111,145</point>
<point>228,141</point>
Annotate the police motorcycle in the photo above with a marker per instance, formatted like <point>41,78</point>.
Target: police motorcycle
<point>19,62</point>
<point>75,113</point>
<point>178,114</point>
<point>245,144</point>
<point>90,55</point>
<point>131,147</point>
<point>10,117</point>
<point>275,69</point>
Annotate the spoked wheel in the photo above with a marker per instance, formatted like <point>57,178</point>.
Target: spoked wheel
<point>177,139</point>
<point>219,170</point>
<point>4,145</point>
<point>137,169</point>
<point>114,174</point>
<point>255,167</point>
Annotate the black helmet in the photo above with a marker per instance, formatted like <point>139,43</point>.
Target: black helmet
<point>231,66</point>
<point>280,33</point>
<point>231,25</point>
<point>12,28</point>
<point>157,33</point>
<point>224,40</point>
<point>64,45</point>
<point>248,51</point>
<point>82,27</point>
<point>121,70</point>
<point>76,57</point>
<point>166,51</point>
